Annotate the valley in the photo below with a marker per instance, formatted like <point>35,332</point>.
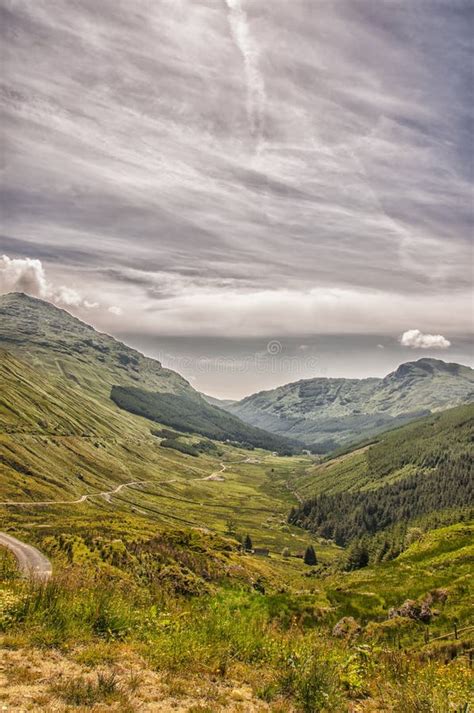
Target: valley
<point>178,553</point>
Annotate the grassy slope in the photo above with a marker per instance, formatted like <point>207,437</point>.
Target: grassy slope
<point>56,342</point>
<point>278,646</point>
<point>393,456</point>
<point>106,605</point>
<point>58,443</point>
<point>442,558</point>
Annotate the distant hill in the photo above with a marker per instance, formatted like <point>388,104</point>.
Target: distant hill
<point>421,469</point>
<point>53,340</point>
<point>327,413</point>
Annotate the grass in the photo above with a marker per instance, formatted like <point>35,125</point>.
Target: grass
<point>415,448</point>
<point>279,642</point>
<point>85,692</point>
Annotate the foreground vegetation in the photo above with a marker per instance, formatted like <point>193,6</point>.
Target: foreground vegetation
<point>130,614</point>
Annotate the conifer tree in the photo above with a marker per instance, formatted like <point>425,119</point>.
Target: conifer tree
<point>310,556</point>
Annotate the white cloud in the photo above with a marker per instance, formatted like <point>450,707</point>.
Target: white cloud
<point>210,311</point>
<point>28,275</point>
<point>117,311</point>
<point>417,340</point>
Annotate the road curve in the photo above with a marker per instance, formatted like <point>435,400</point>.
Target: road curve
<point>32,562</point>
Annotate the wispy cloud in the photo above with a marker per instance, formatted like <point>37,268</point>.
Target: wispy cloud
<point>240,29</point>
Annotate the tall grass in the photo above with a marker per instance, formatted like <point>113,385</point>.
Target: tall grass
<point>275,642</point>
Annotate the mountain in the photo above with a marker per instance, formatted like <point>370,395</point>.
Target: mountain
<point>97,364</point>
<point>327,413</point>
<point>424,468</point>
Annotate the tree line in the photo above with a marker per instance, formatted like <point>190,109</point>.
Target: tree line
<point>344,517</point>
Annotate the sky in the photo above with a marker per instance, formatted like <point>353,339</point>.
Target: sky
<point>218,180</point>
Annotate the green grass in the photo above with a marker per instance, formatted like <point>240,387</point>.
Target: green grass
<point>59,443</point>
<point>280,641</point>
<point>441,559</point>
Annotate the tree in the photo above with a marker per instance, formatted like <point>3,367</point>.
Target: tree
<point>285,552</point>
<point>358,555</point>
<point>310,556</point>
<point>248,545</point>
<point>231,526</point>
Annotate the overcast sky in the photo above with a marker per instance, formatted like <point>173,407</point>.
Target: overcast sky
<point>296,170</point>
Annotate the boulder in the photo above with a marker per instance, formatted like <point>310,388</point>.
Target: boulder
<point>412,610</point>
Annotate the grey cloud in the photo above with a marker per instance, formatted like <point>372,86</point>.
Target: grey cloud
<point>241,147</point>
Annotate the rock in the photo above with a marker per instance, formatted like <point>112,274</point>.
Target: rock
<point>259,586</point>
<point>346,628</point>
<point>412,610</point>
<point>436,595</point>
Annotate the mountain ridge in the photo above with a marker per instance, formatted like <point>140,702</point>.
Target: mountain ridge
<point>329,412</point>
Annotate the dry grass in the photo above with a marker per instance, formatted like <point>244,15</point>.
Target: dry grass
<point>56,682</point>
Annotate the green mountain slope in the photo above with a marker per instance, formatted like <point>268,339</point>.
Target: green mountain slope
<point>326,413</point>
<point>421,469</point>
<point>59,443</point>
<point>96,363</point>
<point>191,415</point>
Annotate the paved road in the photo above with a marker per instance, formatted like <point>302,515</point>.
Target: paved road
<point>31,561</point>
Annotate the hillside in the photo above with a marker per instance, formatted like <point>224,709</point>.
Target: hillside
<point>422,469</point>
<point>77,452</point>
<point>100,366</point>
<point>327,413</point>
<point>191,624</point>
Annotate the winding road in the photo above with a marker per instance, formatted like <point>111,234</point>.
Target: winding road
<point>217,474</point>
<point>106,494</point>
<point>32,562</point>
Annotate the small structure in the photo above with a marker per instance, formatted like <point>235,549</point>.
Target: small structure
<point>261,552</point>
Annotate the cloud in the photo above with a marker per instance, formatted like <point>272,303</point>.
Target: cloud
<point>207,310</point>
<point>239,26</point>
<point>28,275</point>
<point>117,311</point>
<point>415,339</point>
